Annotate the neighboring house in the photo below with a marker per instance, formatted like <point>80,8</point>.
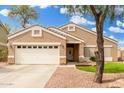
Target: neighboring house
<point>68,43</point>
<point>3,38</point>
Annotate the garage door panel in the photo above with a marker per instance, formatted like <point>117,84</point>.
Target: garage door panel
<point>37,56</point>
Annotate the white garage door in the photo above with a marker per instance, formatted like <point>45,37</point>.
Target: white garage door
<point>37,54</point>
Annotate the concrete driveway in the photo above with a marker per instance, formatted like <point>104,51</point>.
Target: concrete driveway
<point>25,76</point>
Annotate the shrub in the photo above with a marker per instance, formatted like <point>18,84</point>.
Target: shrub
<point>3,54</point>
<point>120,59</point>
<point>93,58</point>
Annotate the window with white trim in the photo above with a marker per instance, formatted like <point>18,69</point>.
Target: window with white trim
<point>36,33</point>
<point>71,28</point>
<point>89,51</point>
<point>107,52</point>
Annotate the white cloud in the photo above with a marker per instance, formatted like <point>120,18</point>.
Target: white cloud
<point>44,6</point>
<point>116,29</point>
<point>119,23</point>
<point>55,6</point>
<point>121,43</point>
<point>4,12</point>
<point>63,10</point>
<point>112,37</point>
<point>41,6</point>
<point>80,20</point>
<point>94,29</point>
<point>119,10</point>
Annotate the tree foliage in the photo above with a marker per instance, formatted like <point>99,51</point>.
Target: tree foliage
<point>112,11</point>
<point>100,13</point>
<point>5,27</point>
<point>24,14</point>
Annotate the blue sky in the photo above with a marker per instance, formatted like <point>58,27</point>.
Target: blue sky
<point>56,16</point>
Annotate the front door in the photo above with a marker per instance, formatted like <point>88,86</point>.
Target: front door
<point>69,53</point>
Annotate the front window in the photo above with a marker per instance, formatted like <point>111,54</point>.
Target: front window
<point>36,33</point>
<point>107,52</point>
<point>89,51</point>
<point>71,28</point>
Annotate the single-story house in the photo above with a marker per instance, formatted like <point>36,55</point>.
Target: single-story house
<point>56,45</point>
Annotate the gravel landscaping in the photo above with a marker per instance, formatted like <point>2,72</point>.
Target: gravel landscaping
<point>70,77</point>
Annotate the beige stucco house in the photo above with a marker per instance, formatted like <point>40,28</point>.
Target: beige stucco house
<point>68,43</point>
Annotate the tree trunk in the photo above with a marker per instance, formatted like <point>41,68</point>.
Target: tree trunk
<point>24,25</point>
<point>100,53</point>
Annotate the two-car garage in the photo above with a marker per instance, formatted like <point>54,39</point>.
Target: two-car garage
<point>37,54</point>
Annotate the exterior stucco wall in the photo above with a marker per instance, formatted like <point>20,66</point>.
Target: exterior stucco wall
<point>46,38</point>
<point>81,52</point>
<point>69,39</point>
<point>121,54</point>
<point>90,39</point>
<point>63,61</point>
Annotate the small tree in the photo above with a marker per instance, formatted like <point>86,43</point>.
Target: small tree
<point>4,27</point>
<point>24,14</point>
<point>99,13</point>
<point>3,49</point>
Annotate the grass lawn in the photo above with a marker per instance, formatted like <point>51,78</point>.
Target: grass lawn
<point>108,68</point>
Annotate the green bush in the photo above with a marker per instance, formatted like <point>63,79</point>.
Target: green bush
<point>93,58</point>
<point>3,54</point>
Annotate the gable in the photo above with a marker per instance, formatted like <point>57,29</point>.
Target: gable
<point>86,34</point>
<point>26,36</point>
<point>30,29</point>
